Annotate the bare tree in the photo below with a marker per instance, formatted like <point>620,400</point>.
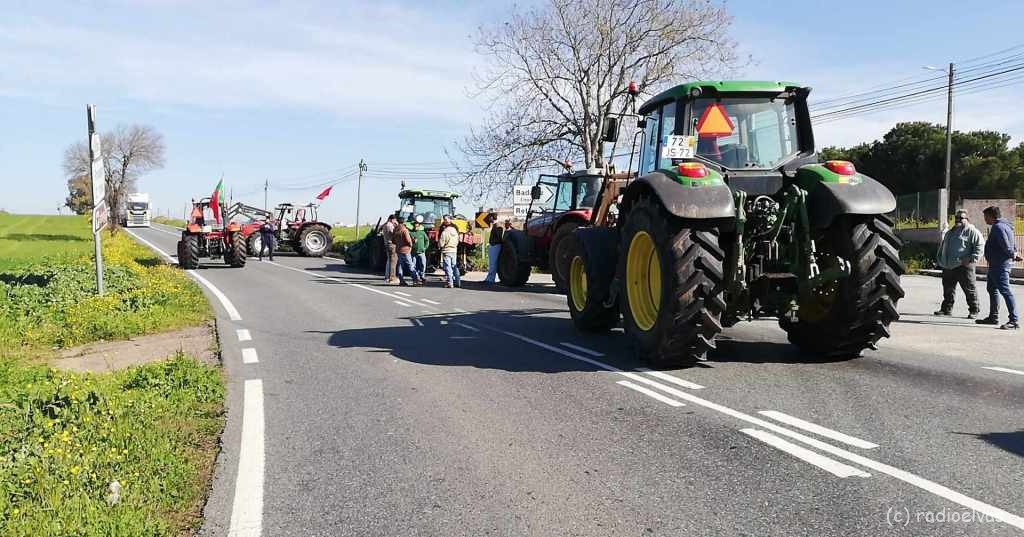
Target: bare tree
<point>556,72</point>
<point>128,152</point>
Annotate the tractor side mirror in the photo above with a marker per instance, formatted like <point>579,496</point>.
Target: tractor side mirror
<point>611,129</point>
<point>535,192</point>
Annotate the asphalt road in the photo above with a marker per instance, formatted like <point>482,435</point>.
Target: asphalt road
<point>377,410</point>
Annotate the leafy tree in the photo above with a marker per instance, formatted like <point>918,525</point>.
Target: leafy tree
<point>79,198</point>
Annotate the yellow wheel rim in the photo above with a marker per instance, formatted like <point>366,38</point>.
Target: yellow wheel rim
<point>643,281</point>
<point>578,283</point>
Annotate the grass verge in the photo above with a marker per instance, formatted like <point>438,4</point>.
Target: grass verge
<point>128,453</point>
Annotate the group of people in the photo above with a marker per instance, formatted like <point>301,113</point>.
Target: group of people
<point>407,252</point>
<point>958,255</point>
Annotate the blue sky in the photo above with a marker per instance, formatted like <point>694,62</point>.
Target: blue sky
<point>298,92</point>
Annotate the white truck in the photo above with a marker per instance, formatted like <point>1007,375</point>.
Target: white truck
<point>136,210</point>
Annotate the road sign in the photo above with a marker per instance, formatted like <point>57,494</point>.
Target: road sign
<point>100,216</point>
<point>97,171</point>
<point>521,194</point>
<point>519,211</point>
<point>481,219</point>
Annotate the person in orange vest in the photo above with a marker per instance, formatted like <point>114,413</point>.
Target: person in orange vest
<point>197,215</point>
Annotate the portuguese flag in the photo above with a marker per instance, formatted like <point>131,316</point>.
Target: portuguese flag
<point>218,193</point>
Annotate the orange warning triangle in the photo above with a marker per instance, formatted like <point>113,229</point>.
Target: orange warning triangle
<point>714,122</point>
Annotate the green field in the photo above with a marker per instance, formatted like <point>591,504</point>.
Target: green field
<point>32,238</point>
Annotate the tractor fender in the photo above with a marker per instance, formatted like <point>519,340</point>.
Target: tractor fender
<point>828,198</point>
<point>683,198</point>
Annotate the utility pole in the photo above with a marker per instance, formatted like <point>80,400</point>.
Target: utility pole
<point>359,192</point>
<point>944,195</point>
<point>266,186</point>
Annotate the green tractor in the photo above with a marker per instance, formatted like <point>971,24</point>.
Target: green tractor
<point>732,217</point>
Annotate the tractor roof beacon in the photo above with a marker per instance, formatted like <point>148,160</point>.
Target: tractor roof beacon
<point>732,217</point>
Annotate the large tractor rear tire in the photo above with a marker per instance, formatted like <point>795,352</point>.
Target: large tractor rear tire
<point>843,318</point>
<point>560,254</point>
<point>314,241</point>
<point>255,243</point>
<point>513,269</point>
<point>188,252</point>
<point>672,298</point>
<point>591,271</point>
<point>235,254</point>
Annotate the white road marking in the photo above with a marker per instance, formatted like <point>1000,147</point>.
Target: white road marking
<point>1005,370</point>
<point>358,285</point>
<point>400,303</point>
<point>154,228</point>
<point>417,322</point>
<point>833,467</point>
<point>818,429</point>
<point>584,350</point>
<point>428,301</point>
<point>243,334</point>
<point>152,246</point>
<point>401,293</point>
<point>460,310</point>
<point>902,475</point>
<point>461,337</point>
<point>228,306</point>
<point>249,356</point>
<point>649,393</point>
<point>468,327</point>
<point>247,509</point>
<point>671,378</point>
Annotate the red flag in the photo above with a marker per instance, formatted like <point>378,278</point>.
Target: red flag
<point>323,195</point>
<point>218,192</point>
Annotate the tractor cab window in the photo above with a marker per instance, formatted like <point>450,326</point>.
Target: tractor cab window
<point>430,209</point>
<point>747,132</point>
<point>563,197</point>
<point>660,123</point>
<point>587,189</point>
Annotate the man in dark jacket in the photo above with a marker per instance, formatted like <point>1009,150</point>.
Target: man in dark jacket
<point>267,232</point>
<point>1000,254</point>
<point>403,247</point>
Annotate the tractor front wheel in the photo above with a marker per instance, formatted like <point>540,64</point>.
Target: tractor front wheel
<point>591,270</point>
<point>560,254</point>
<point>255,244</point>
<point>188,252</point>
<point>235,253</point>
<point>672,304</point>
<point>314,241</point>
<point>842,318</point>
<point>513,269</point>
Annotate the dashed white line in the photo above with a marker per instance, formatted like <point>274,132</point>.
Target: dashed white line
<point>831,466</point>
<point>468,327</point>
<point>357,285</point>
<point>1005,370</point>
<point>247,508</point>
<point>243,334</point>
<point>650,393</point>
<point>671,378</point>
<point>428,301</point>
<point>584,350</point>
<point>249,356</point>
<point>400,303</point>
<point>228,306</point>
<point>401,293</point>
<point>818,429</point>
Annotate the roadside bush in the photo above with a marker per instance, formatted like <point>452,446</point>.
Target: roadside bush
<point>917,256</point>
<point>68,438</point>
<point>53,304</point>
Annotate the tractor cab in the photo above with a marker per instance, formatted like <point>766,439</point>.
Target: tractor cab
<point>555,195</point>
<point>752,133</point>
<point>426,206</point>
<point>201,218</point>
<point>291,215</point>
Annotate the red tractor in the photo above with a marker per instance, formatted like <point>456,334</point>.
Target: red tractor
<point>297,228</point>
<point>200,239</point>
<point>559,205</point>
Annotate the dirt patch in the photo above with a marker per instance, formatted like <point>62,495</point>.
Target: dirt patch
<point>199,342</point>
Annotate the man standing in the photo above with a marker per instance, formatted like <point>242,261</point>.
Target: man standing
<point>957,257</point>
<point>387,233</point>
<point>448,242</point>
<point>494,248</point>
<point>1000,254</point>
<point>267,238</point>
<point>420,243</point>
<point>403,247</point>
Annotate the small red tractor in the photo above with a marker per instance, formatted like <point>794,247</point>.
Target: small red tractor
<point>297,228</point>
<point>559,204</point>
<point>200,239</point>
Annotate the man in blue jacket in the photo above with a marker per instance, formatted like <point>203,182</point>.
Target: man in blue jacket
<point>1000,254</point>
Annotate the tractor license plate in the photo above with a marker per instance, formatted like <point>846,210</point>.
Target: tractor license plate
<point>673,146</point>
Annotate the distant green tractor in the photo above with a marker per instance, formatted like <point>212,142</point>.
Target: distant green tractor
<point>731,218</point>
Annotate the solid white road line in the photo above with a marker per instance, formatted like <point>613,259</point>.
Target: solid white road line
<point>243,334</point>
<point>428,301</point>
<point>673,379</point>
<point>902,475</point>
<point>584,350</point>
<point>818,429</point>
<point>151,246</point>
<point>247,508</point>
<point>228,306</point>
<point>400,303</point>
<point>249,356</point>
<point>650,393</point>
<point>1005,370</point>
<point>155,228</point>
<point>358,285</point>
<point>468,327</point>
<point>833,467</point>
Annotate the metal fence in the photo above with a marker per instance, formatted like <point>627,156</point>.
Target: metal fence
<point>919,210</point>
